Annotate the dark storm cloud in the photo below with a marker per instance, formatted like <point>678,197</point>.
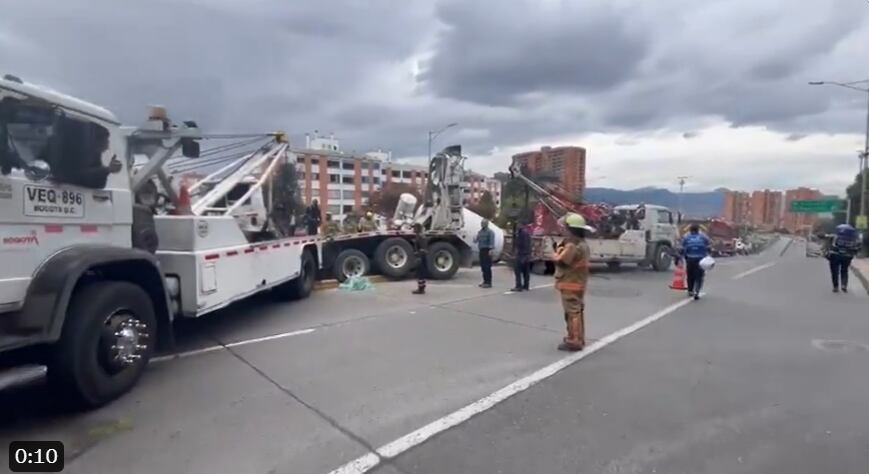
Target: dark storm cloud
<point>494,55</point>
<point>510,72</point>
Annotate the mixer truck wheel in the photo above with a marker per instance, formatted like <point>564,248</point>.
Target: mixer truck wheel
<point>394,257</point>
<point>350,263</point>
<point>442,261</point>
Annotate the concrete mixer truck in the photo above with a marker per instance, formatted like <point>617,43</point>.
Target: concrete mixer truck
<point>448,224</point>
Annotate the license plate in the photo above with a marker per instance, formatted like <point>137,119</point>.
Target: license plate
<point>44,201</point>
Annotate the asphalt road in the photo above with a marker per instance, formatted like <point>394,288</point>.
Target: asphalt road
<point>766,374</point>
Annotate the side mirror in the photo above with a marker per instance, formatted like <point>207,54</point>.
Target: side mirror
<point>37,170</point>
<point>190,148</point>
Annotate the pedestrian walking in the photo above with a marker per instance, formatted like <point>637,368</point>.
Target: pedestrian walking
<point>485,240</point>
<point>695,247</point>
<point>571,277</point>
<point>313,218</point>
<point>522,257</point>
<point>420,246</point>
<point>841,249</point>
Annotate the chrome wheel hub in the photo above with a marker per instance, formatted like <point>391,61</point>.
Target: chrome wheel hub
<point>396,257</point>
<point>128,337</point>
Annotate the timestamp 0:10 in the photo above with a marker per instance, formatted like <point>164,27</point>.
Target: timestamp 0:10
<point>36,456</point>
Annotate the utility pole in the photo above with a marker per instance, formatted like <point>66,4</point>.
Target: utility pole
<point>434,134</point>
<point>864,155</point>
<point>681,180</point>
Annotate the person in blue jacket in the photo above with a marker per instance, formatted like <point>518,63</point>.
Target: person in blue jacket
<point>841,250</point>
<point>695,247</point>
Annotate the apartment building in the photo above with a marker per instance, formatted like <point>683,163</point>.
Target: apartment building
<point>765,209</point>
<point>567,163</point>
<point>737,205</point>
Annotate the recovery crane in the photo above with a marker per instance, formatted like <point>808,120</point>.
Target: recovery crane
<point>641,234</point>
<point>449,226</point>
<point>94,268</point>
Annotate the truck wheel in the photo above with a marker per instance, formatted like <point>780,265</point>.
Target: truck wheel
<point>442,261</point>
<point>301,286</point>
<point>613,266</point>
<point>394,257</point>
<point>107,340</point>
<point>350,263</point>
<point>539,268</point>
<point>663,259</point>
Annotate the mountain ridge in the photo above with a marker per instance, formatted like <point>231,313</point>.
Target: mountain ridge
<point>697,205</point>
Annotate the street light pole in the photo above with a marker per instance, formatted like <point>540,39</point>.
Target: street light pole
<point>681,180</point>
<point>864,155</point>
<point>432,135</point>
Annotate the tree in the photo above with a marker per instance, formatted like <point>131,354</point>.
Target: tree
<point>384,200</point>
<point>486,206</point>
<point>853,196</point>
<point>286,198</point>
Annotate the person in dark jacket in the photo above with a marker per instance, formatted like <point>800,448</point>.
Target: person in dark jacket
<point>695,247</point>
<point>313,218</point>
<point>420,247</point>
<point>840,251</point>
<point>522,263</point>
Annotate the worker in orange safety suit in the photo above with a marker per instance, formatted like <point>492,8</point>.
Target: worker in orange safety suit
<point>571,277</point>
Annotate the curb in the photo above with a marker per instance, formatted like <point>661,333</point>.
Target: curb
<point>332,284</point>
<point>787,246</point>
<point>860,276</point>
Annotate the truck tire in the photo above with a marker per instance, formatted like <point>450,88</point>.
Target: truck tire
<point>662,259</point>
<point>613,266</point>
<point>539,268</point>
<point>350,262</point>
<point>394,257</point>
<point>301,286</point>
<point>442,261</point>
<point>107,340</point>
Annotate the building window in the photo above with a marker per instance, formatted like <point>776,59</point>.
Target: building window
<point>396,174</point>
<point>315,176</point>
<point>376,180</point>
<point>334,178</point>
<point>348,195</point>
<point>365,180</point>
<point>365,194</point>
<point>348,165</point>
<point>333,164</point>
<point>334,210</point>
<point>334,194</point>
<point>315,193</point>
<point>347,179</point>
<point>315,161</point>
<point>348,209</point>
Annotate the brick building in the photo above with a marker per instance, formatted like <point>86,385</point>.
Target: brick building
<point>567,163</point>
<point>737,205</point>
<point>795,222</point>
<point>765,209</point>
<point>343,182</point>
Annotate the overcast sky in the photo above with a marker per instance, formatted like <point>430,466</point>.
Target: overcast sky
<point>712,89</point>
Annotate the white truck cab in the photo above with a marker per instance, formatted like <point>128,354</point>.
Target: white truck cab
<point>90,277</point>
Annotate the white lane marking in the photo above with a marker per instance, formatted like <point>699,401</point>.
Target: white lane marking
<point>245,342</point>
<point>548,285</point>
<point>415,438</point>
<point>753,270</point>
<point>358,465</point>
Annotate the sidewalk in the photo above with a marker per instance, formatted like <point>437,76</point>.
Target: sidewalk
<point>860,267</point>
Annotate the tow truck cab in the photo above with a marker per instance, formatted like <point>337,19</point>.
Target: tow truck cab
<point>87,289</point>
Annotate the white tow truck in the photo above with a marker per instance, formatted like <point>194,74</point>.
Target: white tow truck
<point>649,241</point>
<point>91,275</point>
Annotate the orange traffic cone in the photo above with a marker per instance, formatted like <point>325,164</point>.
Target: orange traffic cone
<point>183,207</point>
<point>678,282</point>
